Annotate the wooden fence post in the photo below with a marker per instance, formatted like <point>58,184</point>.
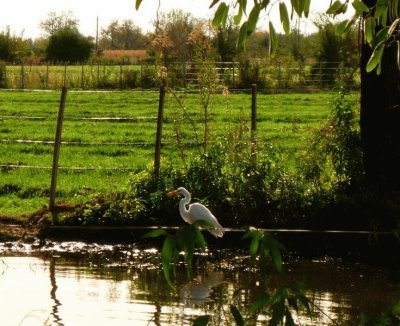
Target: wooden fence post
<point>47,75</point>
<point>157,154</point>
<point>22,76</point>
<point>5,76</point>
<point>98,74</point>
<point>82,76</point>
<point>65,75</point>
<point>120,76</point>
<point>254,122</point>
<point>56,154</point>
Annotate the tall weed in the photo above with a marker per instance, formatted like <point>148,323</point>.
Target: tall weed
<point>334,155</point>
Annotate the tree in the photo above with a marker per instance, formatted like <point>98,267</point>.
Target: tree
<point>335,50</point>
<point>68,45</point>
<point>225,41</point>
<point>172,30</point>
<point>55,21</point>
<point>122,36</point>
<point>12,47</point>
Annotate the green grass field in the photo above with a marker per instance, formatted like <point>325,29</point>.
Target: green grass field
<point>98,154</point>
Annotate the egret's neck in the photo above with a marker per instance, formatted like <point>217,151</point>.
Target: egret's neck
<point>183,205</point>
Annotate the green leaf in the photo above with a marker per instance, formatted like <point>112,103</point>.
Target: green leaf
<point>392,27</point>
<point>383,19</point>
<point>213,3</point>
<point>369,29</point>
<point>155,234</point>
<point>167,255</point>
<point>305,302</point>
<point>202,321</point>
<point>253,19</point>
<point>220,15</point>
<point>249,233</point>
<point>242,10</point>
<point>137,4</point>
<point>296,6</point>
<point>289,318</point>
<point>379,68</point>
<point>254,245</point>
<point>243,5</point>
<point>277,256</point>
<point>262,301</point>
<point>360,7</point>
<point>278,313</point>
<point>395,8</point>
<point>375,58</point>
<point>238,17</point>
<point>200,241</point>
<point>284,15</point>
<point>242,35</point>
<point>335,8</point>
<point>380,9</point>
<point>341,27</point>
<point>237,316</point>
<point>276,251</point>
<point>345,28</point>
<point>273,43</point>
<point>380,37</point>
<point>306,7</point>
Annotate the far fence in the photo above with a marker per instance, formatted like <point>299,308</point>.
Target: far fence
<point>271,76</point>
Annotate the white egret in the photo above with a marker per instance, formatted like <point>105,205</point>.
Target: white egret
<point>196,212</point>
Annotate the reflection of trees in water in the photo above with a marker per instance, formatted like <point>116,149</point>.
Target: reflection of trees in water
<point>53,292</point>
<point>210,293</point>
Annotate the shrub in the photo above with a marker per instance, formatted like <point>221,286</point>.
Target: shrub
<point>3,73</point>
<point>68,45</point>
<point>250,73</point>
<point>334,154</point>
<point>131,79</point>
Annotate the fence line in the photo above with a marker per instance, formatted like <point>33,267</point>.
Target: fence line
<point>100,119</point>
<point>51,142</point>
<point>273,75</point>
<point>72,168</point>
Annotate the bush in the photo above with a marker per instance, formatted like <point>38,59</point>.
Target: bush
<point>250,73</point>
<point>131,79</point>
<point>68,45</point>
<point>3,72</point>
<point>148,78</point>
<point>334,156</point>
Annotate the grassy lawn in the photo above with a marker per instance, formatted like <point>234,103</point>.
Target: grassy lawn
<point>98,154</point>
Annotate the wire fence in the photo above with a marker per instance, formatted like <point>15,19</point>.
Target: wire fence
<point>109,160</point>
<point>271,75</point>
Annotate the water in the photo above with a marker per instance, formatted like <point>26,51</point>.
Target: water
<point>78,284</point>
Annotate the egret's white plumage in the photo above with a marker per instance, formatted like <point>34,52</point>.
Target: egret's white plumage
<point>195,212</point>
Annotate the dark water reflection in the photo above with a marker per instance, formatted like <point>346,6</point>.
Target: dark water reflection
<point>78,284</point>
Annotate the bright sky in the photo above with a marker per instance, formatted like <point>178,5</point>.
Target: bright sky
<point>24,16</point>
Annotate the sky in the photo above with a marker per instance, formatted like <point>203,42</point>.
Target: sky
<point>24,16</point>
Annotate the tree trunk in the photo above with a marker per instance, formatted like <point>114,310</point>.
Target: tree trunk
<point>380,119</point>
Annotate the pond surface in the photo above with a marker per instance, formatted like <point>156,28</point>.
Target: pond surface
<point>80,284</point>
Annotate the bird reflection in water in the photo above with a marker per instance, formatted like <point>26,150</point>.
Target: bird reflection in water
<point>199,289</point>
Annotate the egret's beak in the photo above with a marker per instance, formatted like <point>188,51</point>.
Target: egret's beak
<point>172,193</point>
